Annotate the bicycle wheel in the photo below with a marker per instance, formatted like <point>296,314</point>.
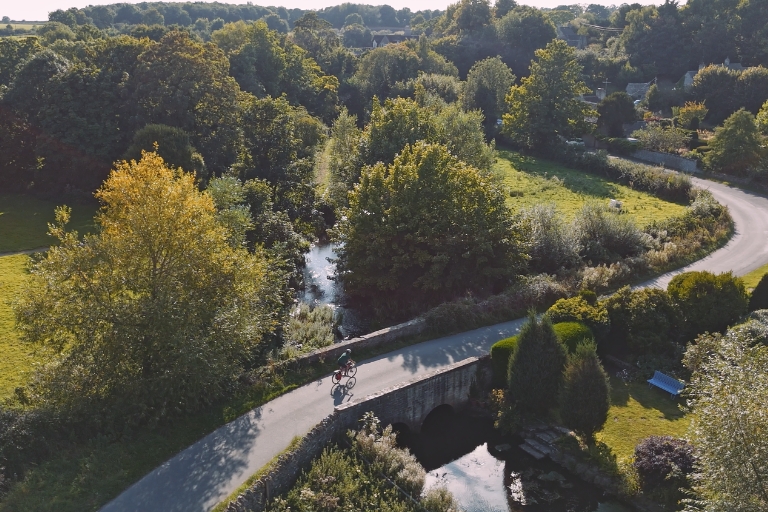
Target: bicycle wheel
<point>336,377</point>
<point>352,371</point>
<point>351,383</point>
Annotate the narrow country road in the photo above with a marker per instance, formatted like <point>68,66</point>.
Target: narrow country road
<point>201,476</point>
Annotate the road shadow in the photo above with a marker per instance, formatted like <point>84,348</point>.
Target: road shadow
<point>195,479</point>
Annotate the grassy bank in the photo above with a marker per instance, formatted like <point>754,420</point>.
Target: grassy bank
<point>24,221</point>
<point>16,358</point>
<point>529,181</point>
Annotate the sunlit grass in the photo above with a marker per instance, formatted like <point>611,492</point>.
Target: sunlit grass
<point>751,279</point>
<point>16,357</point>
<point>529,181</point>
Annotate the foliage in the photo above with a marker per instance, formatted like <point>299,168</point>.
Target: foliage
<point>577,309</point>
<point>472,15</point>
<point>585,394</point>
<point>758,299</point>
<point>488,82</point>
<point>546,103</point>
<point>551,245</point>
<point>762,119</point>
<point>344,156</point>
<point>642,321</point>
<point>663,461</point>
<point>536,366</point>
<point>17,362</point>
<point>155,313</point>
<point>615,110</point>
<point>728,395</point>
<point>172,145</point>
<point>395,247</point>
<point>690,111</point>
<point>736,146</point>
<point>357,36</point>
<point>572,334</point>
<point>603,235</point>
<point>501,351</point>
<point>525,29</point>
<point>656,137</point>
<point>708,302</point>
<point>308,328</point>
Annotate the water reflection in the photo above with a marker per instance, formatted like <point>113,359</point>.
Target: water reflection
<point>487,473</point>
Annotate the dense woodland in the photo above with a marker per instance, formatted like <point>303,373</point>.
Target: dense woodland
<point>221,140</point>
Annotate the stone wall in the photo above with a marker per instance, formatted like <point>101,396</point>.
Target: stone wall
<point>367,341</point>
<point>670,161</point>
<point>408,403</point>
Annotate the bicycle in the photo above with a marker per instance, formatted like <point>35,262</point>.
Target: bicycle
<point>349,371</point>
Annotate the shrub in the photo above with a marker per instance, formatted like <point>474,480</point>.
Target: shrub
<point>661,460</point>
<point>708,302</point>
<point>571,334</point>
<point>501,351</point>
<point>308,328</point>
<point>576,309</point>
<point>604,235</point>
<point>642,321</point>
<point>664,140</point>
<point>585,396</point>
<point>759,297</point>
<point>550,243</point>
<point>536,365</point>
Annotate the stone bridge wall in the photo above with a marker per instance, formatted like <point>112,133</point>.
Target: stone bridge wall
<point>408,403</point>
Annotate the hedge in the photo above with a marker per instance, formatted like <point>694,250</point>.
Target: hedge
<point>571,334</point>
<point>501,351</point>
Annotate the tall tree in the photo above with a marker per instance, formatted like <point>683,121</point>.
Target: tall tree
<point>473,15</point>
<point>154,314</point>
<point>736,146</point>
<point>536,366</point>
<point>615,110</point>
<point>488,82</point>
<point>425,228</point>
<point>546,103</point>
<point>585,396</point>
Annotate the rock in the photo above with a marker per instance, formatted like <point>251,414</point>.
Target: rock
<point>502,447</point>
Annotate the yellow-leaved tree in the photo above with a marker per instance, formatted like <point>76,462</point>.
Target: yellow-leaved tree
<point>155,313</point>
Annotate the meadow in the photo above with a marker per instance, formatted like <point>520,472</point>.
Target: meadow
<point>529,181</point>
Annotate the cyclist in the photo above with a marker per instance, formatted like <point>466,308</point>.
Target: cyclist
<point>344,360</point>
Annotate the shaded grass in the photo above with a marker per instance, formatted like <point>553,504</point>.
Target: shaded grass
<point>24,221</point>
<point>529,181</point>
<point>637,412</point>
<point>16,357</point>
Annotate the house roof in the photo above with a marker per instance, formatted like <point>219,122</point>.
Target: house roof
<point>638,90</point>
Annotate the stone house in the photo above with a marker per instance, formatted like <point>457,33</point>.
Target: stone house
<point>385,39</point>
<point>569,35</point>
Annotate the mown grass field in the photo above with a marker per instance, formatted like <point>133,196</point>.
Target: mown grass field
<point>16,358</point>
<point>529,181</point>
<point>751,279</point>
<point>637,412</point>
<point>24,221</point>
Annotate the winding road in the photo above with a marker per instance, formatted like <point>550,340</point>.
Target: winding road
<point>202,475</point>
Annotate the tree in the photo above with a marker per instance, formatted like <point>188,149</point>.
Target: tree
<point>690,111</point>
<point>526,29</point>
<point>171,144</point>
<point>715,86</point>
<point>424,228</point>
<point>152,315</point>
<point>708,302</point>
<point>473,15</point>
<point>728,395</point>
<point>615,110</point>
<point>585,395</point>
<point>353,19</point>
<point>762,119</point>
<point>546,103</point>
<point>275,22</point>
<point>488,82</point>
<point>536,366</point>
<point>14,51</point>
<point>758,299</point>
<point>357,36</point>
<point>736,146</point>
<point>344,154</point>
<point>153,17</point>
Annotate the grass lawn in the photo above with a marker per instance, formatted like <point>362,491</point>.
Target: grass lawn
<point>637,412</point>
<point>529,181</point>
<point>16,358</point>
<point>24,221</point>
<point>751,279</point>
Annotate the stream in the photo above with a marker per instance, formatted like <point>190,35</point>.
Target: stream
<point>319,289</point>
<point>488,473</point>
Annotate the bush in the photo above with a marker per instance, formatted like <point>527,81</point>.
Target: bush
<point>536,366</point>
<point>308,328</point>
<point>550,243</point>
<point>759,297</point>
<point>604,235</point>
<point>642,321</point>
<point>708,302</point>
<point>501,351</point>
<point>571,334</point>
<point>585,396</point>
<point>663,460</point>
<point>577,309</point>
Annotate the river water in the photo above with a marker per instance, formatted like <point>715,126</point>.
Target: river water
<point>320,288</point>
<point>488,473</point>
